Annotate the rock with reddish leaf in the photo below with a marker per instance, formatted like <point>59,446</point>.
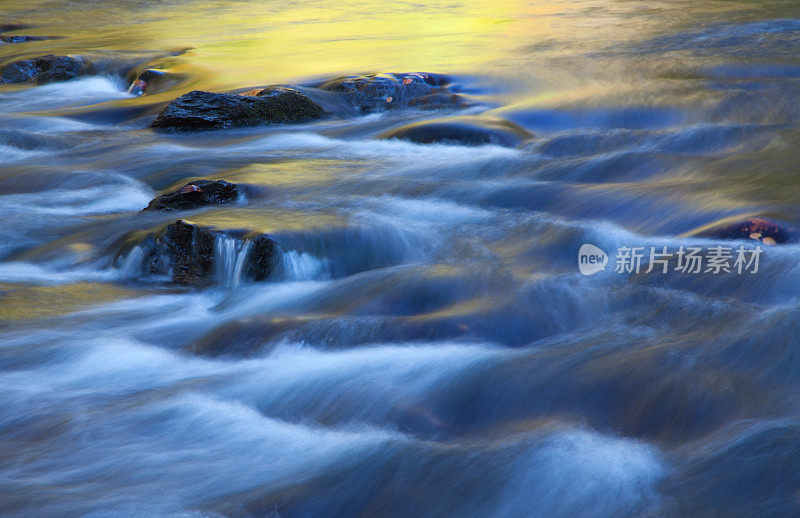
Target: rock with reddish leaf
<point>380,92</point>
<point>198,193</point>
<point>766,231</point>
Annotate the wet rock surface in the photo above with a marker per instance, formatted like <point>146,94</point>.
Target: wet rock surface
<point>21,39</point>
<point>198,193</point>
<point>199,110</point>
<point>438,101</point>
<point>262,259</point>
<point>188,252</point>
<point>467,131</point>
<point>43,70</point>
<point>766,231</point>
<point>190,249</point>
<point>379,92</point>
<point>152,81</point>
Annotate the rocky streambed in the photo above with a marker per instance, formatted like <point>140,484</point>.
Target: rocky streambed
<point>249,267</point>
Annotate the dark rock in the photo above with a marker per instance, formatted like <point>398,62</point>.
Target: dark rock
<point>22,39</point>
<point>6,27</point>
<point>199,110</point>
<point>438,101</point>
<point>379,92</point>
<point>190,250</point>
<point>198,193</point>
<point>151,81</point>
<point>467,131</point>
<point>289,105</point>
<point>187,251</point>
<point>263,257</point>
<point>44,69</point>
<point>765,231</point>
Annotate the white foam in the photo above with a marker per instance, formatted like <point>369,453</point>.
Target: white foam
<point>49,125</point>
<point>304,267</point>
<point>582,473</point>
<point>219,445</point>
<point>87,90</point>
<point>315,145</point>
<point>372,381</point>
<point>50,274</point>
<point>429,210</point>
<point>262,297</point>
<point>126,195</point>
<point>12,153</point>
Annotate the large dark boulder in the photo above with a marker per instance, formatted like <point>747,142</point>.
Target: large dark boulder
<point>199,110</point>
<point>766,231</point>
<point>188,252</point>
<point>44,69</point>
<point>198,193</point>
<point>465,131</point>
<point>379,92</point>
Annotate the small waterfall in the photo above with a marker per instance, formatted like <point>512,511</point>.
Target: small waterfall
<point>230,256</point>
<point>132,263</point>
<point>303,266</point>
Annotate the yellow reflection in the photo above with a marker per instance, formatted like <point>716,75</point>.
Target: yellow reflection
<point>267,221</point>
<point>252,42</point>
<point>467,308</point>
<point>294,173</point>
<point>19,302</point>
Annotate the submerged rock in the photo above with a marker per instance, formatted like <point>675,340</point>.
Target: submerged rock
<point>466,131</point>
<point>243,337</point>
<point>766,231</point>
<point>191,254</point>
<point>21,39</point>
<point>199,110</point>
<point>150,81</point>
<point>198,193</point>
<point>6,27</point>
<point>438,101</point>
<point>378,92</point>
<point>44,69</point>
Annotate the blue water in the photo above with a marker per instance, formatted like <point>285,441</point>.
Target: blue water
<point>427,346</point>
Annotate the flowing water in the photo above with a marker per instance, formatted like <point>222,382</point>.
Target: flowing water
<point>427,345</point>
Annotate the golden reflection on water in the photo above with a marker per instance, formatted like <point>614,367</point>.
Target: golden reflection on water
<point>256,42</point>
<point>546,53</point>
<point>24,302</point>
<point>293,173</point>
<point>266,220</point>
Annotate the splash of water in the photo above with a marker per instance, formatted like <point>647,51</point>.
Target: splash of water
<point>230,258</point>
